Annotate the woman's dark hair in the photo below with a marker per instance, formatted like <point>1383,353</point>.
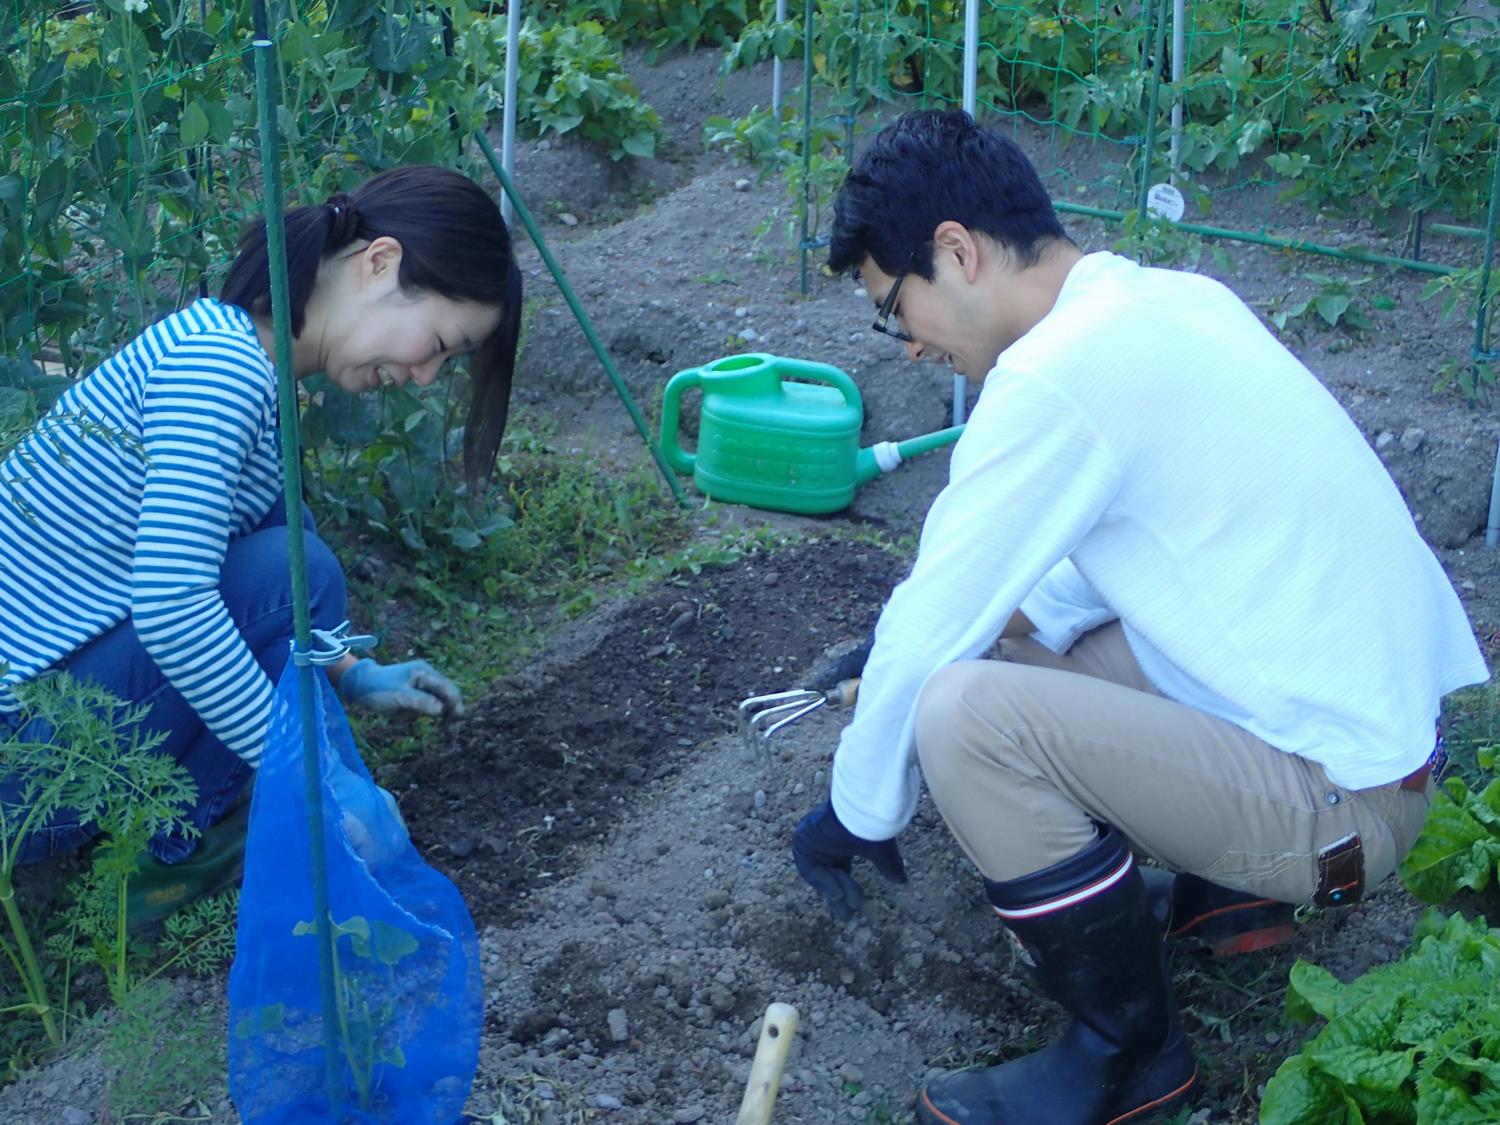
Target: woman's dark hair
<point>925,168</point>
<point>453,243</point>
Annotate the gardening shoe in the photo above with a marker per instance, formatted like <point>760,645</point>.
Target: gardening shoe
<point>1229,922</point>
<point>158,889</point>
<point>1096,950</point>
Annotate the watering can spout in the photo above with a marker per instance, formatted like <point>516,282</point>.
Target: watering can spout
<point>883,456</point>
<point>875,459</point>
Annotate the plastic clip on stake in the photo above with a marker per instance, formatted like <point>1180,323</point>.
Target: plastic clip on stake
<point>329,646</point>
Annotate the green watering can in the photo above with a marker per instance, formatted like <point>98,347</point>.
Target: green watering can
<point>780,433</point>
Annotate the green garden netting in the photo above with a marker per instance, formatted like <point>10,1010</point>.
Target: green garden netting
<point>131,161</point>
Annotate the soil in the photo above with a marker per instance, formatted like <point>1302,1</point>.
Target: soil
<point>622,850</point>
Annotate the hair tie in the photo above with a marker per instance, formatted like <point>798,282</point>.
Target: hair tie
<point>344,219</point>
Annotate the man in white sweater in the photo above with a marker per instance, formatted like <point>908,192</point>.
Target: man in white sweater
<point>1225,643</point>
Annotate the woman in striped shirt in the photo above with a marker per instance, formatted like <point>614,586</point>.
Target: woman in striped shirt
<point>157,564</point>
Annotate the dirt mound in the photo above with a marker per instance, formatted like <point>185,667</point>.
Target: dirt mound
<point>549,760</point>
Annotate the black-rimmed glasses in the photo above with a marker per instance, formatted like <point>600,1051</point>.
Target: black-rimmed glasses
<point>887,310</point>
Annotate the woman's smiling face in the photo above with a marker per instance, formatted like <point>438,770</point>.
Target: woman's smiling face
<point>369,332</point>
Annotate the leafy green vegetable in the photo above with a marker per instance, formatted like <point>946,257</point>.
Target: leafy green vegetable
<point>1460,843</point>
<point>1416,1041</point>
<point>573,78</point>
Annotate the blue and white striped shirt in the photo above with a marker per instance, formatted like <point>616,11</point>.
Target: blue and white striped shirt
<point>121,502</point>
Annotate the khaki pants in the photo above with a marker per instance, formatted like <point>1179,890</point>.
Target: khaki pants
<point>1024,753</point>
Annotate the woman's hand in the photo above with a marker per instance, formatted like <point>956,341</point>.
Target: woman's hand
<point>372,822</point>
<point>413,686</point>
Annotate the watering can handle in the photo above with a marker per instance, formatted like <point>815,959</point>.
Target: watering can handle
<point>823,373</point>
<point>680,461</point>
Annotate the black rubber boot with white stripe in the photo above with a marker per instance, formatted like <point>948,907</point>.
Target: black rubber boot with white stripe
<point>1097,950</point>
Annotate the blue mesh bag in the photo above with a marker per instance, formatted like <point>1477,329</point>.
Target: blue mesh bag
<point>407,983</point>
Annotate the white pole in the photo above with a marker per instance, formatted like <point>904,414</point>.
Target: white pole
<point>971,101</point>
<point>1179,68</point>
<point>776,67</point>
<point>512,72</point>
<point>1492,525</point>
<point>971,55</point>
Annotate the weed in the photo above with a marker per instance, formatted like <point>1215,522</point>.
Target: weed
<point>1471,723</point>
<point>1474,379</point>
<point>160,1053</point>
<point>1157,242</point>
<point>775,144</point>
<point>1335,301</point>
<point>531,1099</point>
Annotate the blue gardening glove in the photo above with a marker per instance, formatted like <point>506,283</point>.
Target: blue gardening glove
<point>413,686</point>
<point>372,821</point>
<point>822,849</point>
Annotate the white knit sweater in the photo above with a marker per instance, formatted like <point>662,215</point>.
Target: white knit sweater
<point>1212,495</point>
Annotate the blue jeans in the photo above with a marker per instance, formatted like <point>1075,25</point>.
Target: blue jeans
<point>255,583</point>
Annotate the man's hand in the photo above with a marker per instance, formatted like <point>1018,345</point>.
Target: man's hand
<point>413,686</point>
<point>822,849</point>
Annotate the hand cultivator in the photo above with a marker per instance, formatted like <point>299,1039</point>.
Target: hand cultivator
<point>837,683</point>
<point>761,716</point>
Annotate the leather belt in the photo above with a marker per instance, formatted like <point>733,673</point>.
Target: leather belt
<point>1416,781</point>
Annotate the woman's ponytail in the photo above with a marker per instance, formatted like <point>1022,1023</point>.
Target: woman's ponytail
<point>312,233</point>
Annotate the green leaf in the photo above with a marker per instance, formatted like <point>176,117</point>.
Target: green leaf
<point>346,78</point>
<point>1234,66</point>
<point>396,48</point>
<point>1297,1094</point>
<point>12,192</point>
<point>1365,1067</point>
<point>1312,991</point>
<point>391,943</point>
<point>15,407</point>
<point>1452,851</point>
<point>412,537</point>
<point>464,538</point>
<point>1289,165</point>
<point>642,145</point>
<point>357,929</point>
<point>194,126</point>
<point>1444,1102</point>
<point>270,1018</point>
<point>53,188</point>
<point>1332,306</point>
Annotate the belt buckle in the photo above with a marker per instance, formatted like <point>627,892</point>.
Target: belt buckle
<point>1439,759</point>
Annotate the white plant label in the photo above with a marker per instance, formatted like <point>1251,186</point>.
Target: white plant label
<point>1165,202</point>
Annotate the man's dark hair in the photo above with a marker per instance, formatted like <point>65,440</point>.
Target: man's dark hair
<point>925,168</point>
<point>453,243</point>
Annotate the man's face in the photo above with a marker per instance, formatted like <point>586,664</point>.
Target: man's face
<point>942,317</point>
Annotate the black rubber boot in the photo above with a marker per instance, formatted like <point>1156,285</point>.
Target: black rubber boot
<point>1228,922</point>
<point>1097,949</point>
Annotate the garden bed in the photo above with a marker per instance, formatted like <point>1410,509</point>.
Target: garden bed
<point>627,863</point>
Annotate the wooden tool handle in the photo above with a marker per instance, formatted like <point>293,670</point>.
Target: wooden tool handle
<point>845,692</point>
<point>776,1033</point>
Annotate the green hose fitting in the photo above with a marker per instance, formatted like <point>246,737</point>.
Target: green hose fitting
<point>883,456</point>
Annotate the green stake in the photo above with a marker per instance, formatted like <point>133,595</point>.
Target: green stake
<point>291,474</point>
<point>583,319</point>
